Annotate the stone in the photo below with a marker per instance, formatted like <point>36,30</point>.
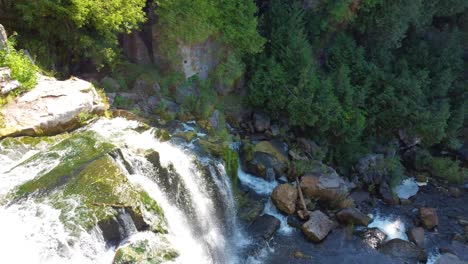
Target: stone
<point>3,37</point>
<point>6,83</point>
<point>318,226</point>
<point>327,186</point>
<point>387,194</point>
<point>416,235</point>
<point>449,258</point>
<point>428,216</point>
<point>261,122</point>
<point>284,197</point>
<point>373,237</point>
<point>51,107</point>
<point>267,160</point>
<point>264,227</point>
<point>146,88</point>
<point>135,48</point>
<point>353,216</point>
<point>403,251</point>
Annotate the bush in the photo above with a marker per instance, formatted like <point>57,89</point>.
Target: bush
<point>448,169</point>
<point>22,68</point>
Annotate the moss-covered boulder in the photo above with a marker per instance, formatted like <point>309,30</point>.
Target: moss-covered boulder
<point>148,251</point>
<point>91,189</point>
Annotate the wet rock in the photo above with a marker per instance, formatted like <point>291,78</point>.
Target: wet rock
<point>300,255</point>
<point>261,122</point>
<point>51,107</point>
<point>449,258</point>
<point>110,230</point>
<point>361,198</point>
<point>295,221</point>
<point>404,251</point>
<point>373,237</point>
<point>416,235</point>
<point>264,227</point>
<point>318,226</point>
<point>428,216</point>
<point>405,201</point>
<point>372,169</point>
<point>284,197</point>
<point>387,194</point>
<point>352,216</point>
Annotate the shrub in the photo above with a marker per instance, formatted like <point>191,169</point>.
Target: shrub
<point>448,169</point>
<point>22,68</point>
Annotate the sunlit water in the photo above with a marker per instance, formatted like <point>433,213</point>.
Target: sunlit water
<point>200,235</point>
<point>392,226</point>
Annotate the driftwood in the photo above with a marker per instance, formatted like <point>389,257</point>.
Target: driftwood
<point>301,197</point>
<point>111,205</point>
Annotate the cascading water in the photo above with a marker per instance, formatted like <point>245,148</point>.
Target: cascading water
<point>195,196</point>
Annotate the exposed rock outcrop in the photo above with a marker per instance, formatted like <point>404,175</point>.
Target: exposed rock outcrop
<point>51,107</point>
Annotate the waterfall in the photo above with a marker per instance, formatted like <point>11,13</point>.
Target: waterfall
<point>196,197</point>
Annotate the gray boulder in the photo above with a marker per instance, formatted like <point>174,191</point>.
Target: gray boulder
<point>51,107</point>
<point>318,226</point>
<point>403,251</point>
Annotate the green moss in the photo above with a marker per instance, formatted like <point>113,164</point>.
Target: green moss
<point>231,161</point>
<point>75,153</point>
<point>187,135</point>
<point>162,135</point>
<point>145,251</point>
<point>267,147</point>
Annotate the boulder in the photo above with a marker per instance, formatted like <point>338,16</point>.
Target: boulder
<point>387,194</point>
<point>318,226</point>
<point>264,227</point>
<point>261,122</point>
<point>372,169</point>
<point>428,217</point>
<point>266,160</point>
<point>373,237</point>
<point>51,107</point>
<point>325,185</point>
<point>284,197</point>
<point>352,216</point>
<point>6,83</point>
<point>449,258</point>
<point>416,235</point>
<point>3,37</point>
<point>403,251</point>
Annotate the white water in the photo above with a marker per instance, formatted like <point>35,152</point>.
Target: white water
<point>392,226</point>
<point>202,235</point>
<point>265,188</point>
<point>407,188</point>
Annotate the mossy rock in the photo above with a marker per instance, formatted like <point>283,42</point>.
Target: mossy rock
<point>268,148</point>
<point>147,252</point>
<point>74,152</point>
<point>88,182</point>
<point>188,136</point>
<point>162,134</point>
<point>216,148</point>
